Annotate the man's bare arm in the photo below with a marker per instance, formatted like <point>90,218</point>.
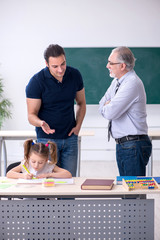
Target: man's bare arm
<point>33,106</point>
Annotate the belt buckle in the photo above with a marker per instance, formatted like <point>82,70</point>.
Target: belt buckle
<point>117,141</point>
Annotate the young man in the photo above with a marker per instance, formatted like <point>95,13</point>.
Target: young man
<point>124,105</point>
<point>50,102</point>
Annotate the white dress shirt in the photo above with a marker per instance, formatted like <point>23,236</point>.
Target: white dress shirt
<point>127,108</point>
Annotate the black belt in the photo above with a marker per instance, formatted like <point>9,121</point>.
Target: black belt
<point>131,138</point>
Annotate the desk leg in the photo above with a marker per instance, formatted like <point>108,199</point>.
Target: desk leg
<point>3,148</point>
<point>0,155</point>
<point>150,164</point>
<point>5,156</point>
<point>79,157</point>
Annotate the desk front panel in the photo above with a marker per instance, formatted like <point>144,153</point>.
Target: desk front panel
<point>77,219</point>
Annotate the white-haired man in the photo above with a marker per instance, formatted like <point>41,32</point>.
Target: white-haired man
<point>124,105</point>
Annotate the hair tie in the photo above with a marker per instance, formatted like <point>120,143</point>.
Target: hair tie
<point>46,144</point>
<point>32,143</point>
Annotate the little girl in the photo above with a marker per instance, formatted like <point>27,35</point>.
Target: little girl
<point>36,161</point>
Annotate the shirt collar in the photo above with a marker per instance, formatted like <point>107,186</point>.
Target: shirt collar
<point>49,75</point>
<point>124,76</point>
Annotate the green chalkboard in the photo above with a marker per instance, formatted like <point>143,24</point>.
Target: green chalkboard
<point>91,62</point>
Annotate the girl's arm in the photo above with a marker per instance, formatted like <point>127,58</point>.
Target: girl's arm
<point>16,172</point>
<point>56,173</point>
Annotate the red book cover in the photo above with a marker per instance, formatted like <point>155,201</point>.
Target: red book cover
<point>97,184</point>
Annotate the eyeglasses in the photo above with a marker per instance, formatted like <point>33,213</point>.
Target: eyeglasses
<point>111,63</point>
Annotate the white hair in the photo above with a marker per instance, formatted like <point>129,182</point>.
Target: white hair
<point>126,56</point>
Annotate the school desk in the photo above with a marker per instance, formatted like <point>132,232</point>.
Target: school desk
<point>93,214</point>
<point>23,135</point>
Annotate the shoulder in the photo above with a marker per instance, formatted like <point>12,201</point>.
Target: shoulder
<point>50,165</point>
<point>132,86</point>
<point>39,75</point>
<point>75,77</point>
<point>23,162</point>
<point>135,81</point>
<point>73,71</point>
<point>35,85</point>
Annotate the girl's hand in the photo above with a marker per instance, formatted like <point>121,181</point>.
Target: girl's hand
<point>43,175</point>
<point>27,175</point>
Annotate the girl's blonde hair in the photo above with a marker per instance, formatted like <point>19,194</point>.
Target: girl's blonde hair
<point>45,150</point>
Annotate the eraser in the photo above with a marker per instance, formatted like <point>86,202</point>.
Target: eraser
<point>48,182</point>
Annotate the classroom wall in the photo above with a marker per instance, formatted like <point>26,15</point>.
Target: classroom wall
<point>27,27</point>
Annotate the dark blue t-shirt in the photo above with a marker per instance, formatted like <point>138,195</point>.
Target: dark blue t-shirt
<point>57,106</point>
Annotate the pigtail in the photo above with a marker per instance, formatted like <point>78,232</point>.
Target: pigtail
<point>27,146</point>
<point>53,151</point>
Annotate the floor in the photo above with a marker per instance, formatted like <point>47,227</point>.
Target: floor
<point>109,169</point>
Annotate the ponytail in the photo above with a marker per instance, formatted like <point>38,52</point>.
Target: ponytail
<point>27,147</point>
<point>53,151</point>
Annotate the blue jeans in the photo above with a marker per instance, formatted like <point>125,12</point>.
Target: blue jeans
<point>133,156</point>
<point>67,152</point>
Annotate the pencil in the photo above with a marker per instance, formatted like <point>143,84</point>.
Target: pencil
<point>28,171</point>
<point>60,182</point>
<point>25,168</point>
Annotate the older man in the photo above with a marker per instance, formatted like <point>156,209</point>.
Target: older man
<point>124,105</point>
